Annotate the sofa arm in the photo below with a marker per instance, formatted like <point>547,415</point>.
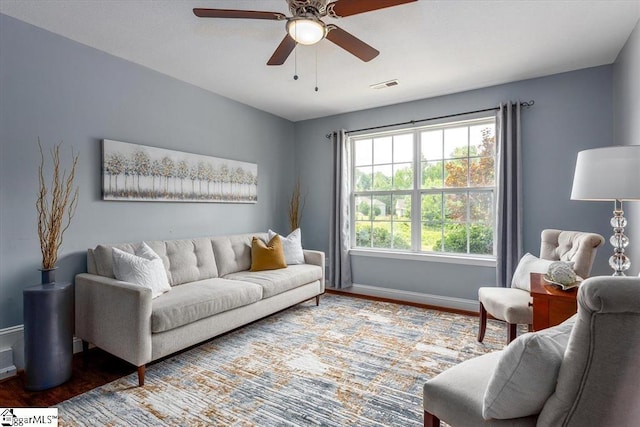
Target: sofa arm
<point>315,258</point>
<point>115,316</point>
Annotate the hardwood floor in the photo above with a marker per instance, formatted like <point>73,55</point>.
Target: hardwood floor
<point>102,368</point>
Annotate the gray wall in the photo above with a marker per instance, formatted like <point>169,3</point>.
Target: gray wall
<point>626,126</point>
<point>572,112</point>
<point>56,89</point>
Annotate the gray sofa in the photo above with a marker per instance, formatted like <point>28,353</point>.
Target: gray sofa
<point>212,292</point>
<point>583,372</point>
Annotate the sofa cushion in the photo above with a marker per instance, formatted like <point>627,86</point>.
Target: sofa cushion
<point>528,264</point>
<point>143,268</point>
<point>190,260</point>
<point>275,282</point>
<point>196,300</point>
<point>527,373</point>
<point>508,304</point>
<point>455,395</point>
<point>267,256</point>
<point>233,253</point>
<point>103,256</point>
<point>291,246</point>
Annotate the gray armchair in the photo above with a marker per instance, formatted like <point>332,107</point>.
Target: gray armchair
<point>512,304</point>
<point>588,375</point>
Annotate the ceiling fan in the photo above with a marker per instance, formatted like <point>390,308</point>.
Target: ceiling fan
<point>306,26</point>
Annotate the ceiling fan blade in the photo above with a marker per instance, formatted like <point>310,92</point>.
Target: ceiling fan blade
<point>351,43</point>
<point>342,8</point>
<point>243,14</point>
<point>283,51</point>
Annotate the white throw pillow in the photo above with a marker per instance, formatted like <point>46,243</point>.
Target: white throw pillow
<point>291,246</point>
<point>144,268</point>
<point>528,264</point>
<point>527,373</point>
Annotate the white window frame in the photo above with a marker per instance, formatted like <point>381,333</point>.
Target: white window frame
<point>416,252</point>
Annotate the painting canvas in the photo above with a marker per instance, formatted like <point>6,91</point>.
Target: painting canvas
<point>138,172</point>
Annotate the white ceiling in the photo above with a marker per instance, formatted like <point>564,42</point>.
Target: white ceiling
<point>432,47</point>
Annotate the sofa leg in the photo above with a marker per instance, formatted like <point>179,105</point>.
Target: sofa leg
<point>431,420</point>
<point>141,370</point>
<point>482,328</point>
<point>512,332</point>
<point>317,300</point>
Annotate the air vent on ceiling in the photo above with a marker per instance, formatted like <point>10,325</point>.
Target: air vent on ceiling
<point>384,85</point>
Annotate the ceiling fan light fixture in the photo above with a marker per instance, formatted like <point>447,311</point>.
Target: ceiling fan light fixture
<point>306,31</point>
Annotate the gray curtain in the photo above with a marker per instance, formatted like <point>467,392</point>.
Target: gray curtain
<point>340,229</point>
<point>509,198</point>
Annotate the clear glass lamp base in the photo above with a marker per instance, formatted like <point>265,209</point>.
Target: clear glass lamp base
<point>619,262</point>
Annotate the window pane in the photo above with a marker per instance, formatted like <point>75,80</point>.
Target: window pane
<point>401,221</point>
<point>431,237</point>
<point>432,175</point>
<point>482,140</point>
<point>455,238</point>
<point>403,148</point>
<point>481,239</point>
<point>363,178</point>
<point>456,173</point>
<point>382,235</point>
<point>401,235</point>
<point>363,208</point>
<point>481,207</point>
<point>382,208</point>
<point>382,150</point>
<point>363,152</point>
<point>456,142</point>
<point>401,208</point>
<point>455,207</point>
<point>403,176</point>
<point>431,208</point>
<point>363,234</point>
<point>482,172</point>
<point>431,145</point>
<point>382,177</point>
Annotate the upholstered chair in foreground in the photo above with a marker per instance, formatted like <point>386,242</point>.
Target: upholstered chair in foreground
<point>512,304</point>
<point>583,372</point>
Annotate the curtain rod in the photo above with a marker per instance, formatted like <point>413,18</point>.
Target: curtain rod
<point>413,122</point>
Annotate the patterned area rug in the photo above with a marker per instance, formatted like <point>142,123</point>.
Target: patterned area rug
<point>348,362</point>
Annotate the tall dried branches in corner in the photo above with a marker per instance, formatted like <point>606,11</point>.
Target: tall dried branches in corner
<point>56,205</point>
<point>296,206</point>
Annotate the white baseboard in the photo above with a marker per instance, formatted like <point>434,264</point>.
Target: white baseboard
<point>417,297</point>
<point>12,350</point>
<point>7,368</point>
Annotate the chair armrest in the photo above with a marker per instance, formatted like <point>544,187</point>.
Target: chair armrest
<point>315,258</point>
<point>115,316</point>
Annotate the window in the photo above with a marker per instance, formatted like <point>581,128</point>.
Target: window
<point>430,189</point>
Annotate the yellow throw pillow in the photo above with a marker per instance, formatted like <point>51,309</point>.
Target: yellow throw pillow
<point>268,256</point>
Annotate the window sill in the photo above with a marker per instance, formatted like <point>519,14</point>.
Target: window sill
<point>443,258</point>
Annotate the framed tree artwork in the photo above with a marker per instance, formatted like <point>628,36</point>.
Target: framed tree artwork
<point>136,172</point>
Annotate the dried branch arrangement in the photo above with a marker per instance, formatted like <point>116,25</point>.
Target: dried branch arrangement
<point>56,205</point>
<point>296,206</point>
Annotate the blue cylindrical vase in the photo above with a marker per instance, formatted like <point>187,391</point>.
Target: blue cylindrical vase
<point>48,334</point>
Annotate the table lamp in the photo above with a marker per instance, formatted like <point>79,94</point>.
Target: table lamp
<point>610,174</point>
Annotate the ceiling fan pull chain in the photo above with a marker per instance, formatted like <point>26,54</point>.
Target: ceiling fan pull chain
<point>295,59</point>
<point>316,68</point>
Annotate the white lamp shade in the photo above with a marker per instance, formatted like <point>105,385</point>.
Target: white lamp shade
<point>609,173</point>
<point>306,31</point>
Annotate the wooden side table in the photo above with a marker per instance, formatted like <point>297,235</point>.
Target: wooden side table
<point>551,305</point>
